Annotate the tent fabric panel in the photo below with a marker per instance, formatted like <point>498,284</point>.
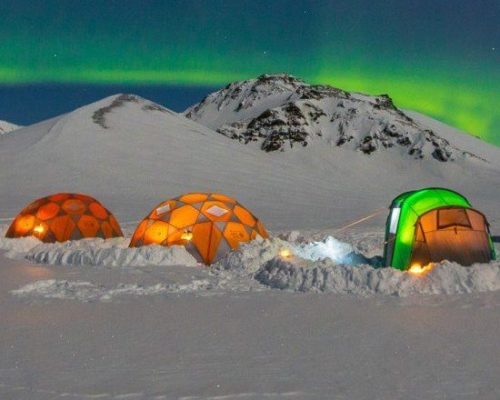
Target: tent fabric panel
<point>47,211</point>
<point>244,215</point>
<point>107,231</point>
<point>139,232</point>
<point>156,233</point>
<point>464,247</point>
<point>184,216</point>
<point>452,217</point>
<point>201,239</point>
<point>62,227</point>
<point>191,198</point>
<point>235,233</point>
<point>429,221</point>
<point>88,226</point>
<point>98,211</point>
<point>215,239</point>
<point>477,220</point>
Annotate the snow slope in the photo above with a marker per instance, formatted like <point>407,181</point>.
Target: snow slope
<point>132,154</point>
<point>7,127</point>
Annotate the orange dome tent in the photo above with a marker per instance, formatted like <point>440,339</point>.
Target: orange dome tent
<point>208,224</point>
<point>64,216</point>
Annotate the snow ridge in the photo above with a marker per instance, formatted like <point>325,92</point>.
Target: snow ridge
<point>7,127</point>
<point>280,112</point>
<point>99,116</point>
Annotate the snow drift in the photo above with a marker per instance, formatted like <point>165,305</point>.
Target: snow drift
<point>95,252</point>
<point>326,276</point>
<point>346,271</point>
<point>328,266</point>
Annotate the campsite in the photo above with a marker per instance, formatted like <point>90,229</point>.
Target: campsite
<point>249,200</point>
<point>225,228</point>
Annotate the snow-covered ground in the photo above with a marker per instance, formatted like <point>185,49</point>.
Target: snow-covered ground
<point>306,314</point>
<point>162,333</point>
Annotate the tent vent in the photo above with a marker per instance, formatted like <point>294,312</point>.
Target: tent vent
<point>217,211</point>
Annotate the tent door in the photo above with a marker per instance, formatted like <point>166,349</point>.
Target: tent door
<point>454,234</point>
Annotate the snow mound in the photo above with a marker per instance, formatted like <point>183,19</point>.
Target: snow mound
<point>17,248</point>
<point>326,276</point>
<point>87,291</point>
<point>88,252</point>
<point>251,256</point>
<point>96,252</point>
<point>333,266</point>
<point>280,111</point>
<point>290,262</point>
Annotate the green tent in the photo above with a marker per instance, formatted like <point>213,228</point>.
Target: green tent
<point>434,224</point>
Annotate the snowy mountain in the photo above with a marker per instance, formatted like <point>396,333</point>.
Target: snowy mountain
<point>132,154</point>
<point>280,112</point>
<point>96,319</point>
<point>7,127</point>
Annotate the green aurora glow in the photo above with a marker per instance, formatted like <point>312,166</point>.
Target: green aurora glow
<point>427,57</point>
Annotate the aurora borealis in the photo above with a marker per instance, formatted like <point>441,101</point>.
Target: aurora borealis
<point>439,57</point>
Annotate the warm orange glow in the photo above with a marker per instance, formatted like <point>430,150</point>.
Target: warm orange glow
<point>285,253</point>
<point>38,229</point>
<point>187,236</point>
<point>417,269</point>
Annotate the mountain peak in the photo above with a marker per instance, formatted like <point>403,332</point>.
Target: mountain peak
<point>280,112</point>
<point>119,100</point>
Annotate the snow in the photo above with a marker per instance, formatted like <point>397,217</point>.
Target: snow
<point>252,345</point>
<point>6,127</point>
<point>281,112</point>
<point>95,319</point>
<point>98,252</point>
<point>325,276</point>
<point>148,154</point>
<point>328,265</point>
<point>86,291</point>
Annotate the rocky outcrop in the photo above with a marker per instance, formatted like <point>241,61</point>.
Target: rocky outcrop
<point>280,112</point>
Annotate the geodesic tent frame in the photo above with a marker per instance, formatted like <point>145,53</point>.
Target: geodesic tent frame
<point>207,224</point>
<point>406,211</point>
<point>65,216</point>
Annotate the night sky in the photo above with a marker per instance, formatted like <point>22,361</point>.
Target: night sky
<point>440,57</point>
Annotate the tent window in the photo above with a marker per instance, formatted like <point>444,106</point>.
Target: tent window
<point>453,217</point>
<point>393,226</point>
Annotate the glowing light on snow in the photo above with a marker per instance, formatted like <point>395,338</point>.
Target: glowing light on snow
<point>417,269</point>
<point>329,248</point>
<point>285,253</point>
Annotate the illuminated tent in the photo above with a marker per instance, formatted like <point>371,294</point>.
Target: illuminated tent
<point>431,225</point>
<point>64,216</point>
<point>207,224</point>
